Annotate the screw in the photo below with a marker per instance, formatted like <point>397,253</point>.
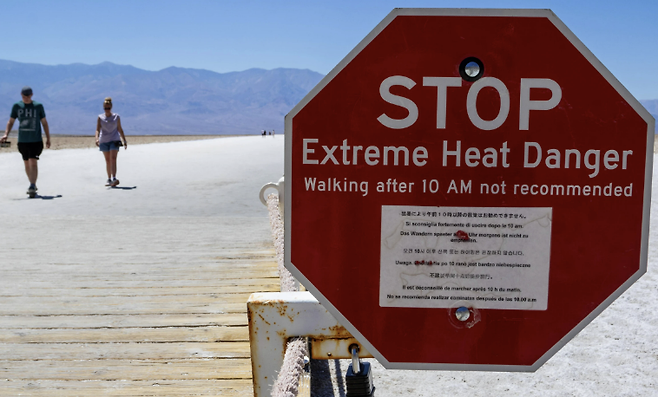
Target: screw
<point>462,313</point>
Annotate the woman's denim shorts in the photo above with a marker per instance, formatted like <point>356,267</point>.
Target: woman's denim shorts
<point>107,146</point>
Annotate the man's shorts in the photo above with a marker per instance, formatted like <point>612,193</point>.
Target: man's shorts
<point>107,146</point>
<point>30,150</point>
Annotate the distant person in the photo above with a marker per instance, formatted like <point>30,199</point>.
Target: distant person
<point>109,135</point>
<point>31,116</point>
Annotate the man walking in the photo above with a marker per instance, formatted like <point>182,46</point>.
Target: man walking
<point>31,116</point>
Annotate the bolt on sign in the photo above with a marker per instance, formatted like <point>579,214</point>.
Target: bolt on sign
<point>468,189</point>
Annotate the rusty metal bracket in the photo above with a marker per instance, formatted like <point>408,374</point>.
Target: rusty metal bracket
<point>274,317</point>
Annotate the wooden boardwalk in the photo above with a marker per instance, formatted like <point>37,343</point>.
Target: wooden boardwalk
<point>136,324</point>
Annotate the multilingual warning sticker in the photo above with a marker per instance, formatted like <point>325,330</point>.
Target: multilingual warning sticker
<point>483,257</point>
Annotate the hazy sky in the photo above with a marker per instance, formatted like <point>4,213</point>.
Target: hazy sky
<point>234,35</point>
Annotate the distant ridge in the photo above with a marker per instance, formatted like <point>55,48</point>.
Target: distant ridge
<point>652,106</point>
<point>170,101</point>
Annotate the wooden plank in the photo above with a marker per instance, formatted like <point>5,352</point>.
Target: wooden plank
<point>171,335</point>
<point>236,272</point>
<point>103,283</point>
<point>126,388</point>
<point>234,368</point>
<point>258,285</point>
<point>154,256</point>
<point>58,305</point>
<point>146,308</point>
<point>123,321</point>
<point>131,267</point>
<point>147,280</point>
<point>77,262</point>
<point>122,351</point>
<point>110,300</point>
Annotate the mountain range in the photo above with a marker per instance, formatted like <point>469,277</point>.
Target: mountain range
<point>170,101</point>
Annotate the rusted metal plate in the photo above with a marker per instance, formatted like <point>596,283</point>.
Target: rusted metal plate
<point>336,348</point>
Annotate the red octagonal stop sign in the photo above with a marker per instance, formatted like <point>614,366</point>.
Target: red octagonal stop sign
<point>468,189</point>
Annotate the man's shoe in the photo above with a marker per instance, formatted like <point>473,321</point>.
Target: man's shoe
<point>32,190</point>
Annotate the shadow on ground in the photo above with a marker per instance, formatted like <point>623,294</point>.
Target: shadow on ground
<point>38,196</point>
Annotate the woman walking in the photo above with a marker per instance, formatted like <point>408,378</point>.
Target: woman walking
<point>109,135</point>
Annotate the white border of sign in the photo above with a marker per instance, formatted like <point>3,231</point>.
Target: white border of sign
<point>486,13</point>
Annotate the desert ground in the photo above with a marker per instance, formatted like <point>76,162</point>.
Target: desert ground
<point>59,142</point>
